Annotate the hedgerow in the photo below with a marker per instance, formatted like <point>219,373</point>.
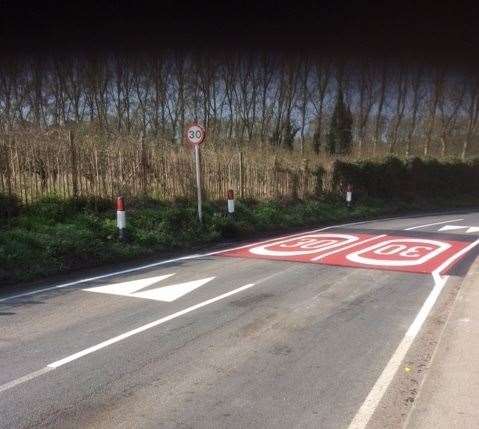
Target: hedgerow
<point>415,179</point>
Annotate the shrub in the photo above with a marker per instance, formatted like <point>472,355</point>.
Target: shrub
<point>9,206</point>
<point>394,179</point>
<point>268,215</point>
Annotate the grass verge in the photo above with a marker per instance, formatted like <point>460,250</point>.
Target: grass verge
<point>55,236</point>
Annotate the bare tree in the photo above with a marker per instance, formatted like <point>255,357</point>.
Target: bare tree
<point>366,103</point>
<point>449,106</point>
<point>400,106</point>
<point>382,98</point>
<point>472,116</point>
<point>416,86</point>
<point>248,98</point>
<point>436,93</point>
<point>323,74</point>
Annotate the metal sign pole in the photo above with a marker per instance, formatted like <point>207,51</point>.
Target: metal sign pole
<point>198,181</point>
<point>195,134</point>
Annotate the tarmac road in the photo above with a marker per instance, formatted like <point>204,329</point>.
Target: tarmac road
<point>254,337</point>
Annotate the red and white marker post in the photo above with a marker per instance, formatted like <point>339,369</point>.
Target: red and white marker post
<point>195,134</point>
<point>120,217</point>
<point>231,202</point>
<point>349,195</point>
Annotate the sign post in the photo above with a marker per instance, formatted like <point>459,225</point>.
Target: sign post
<point>198,182</point>
<point>195,134</point>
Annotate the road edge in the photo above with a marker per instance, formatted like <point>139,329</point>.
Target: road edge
<point>471,278</point>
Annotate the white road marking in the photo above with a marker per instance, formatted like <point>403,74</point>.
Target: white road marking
<point>374,397</point>
<point>432,224</point>
<point>452,227</point>
<point>371,402</point>
<point>172,292</point>
<point>143,328</point>
<point>102,345</point>
<point>103,276</point>
<point>25,378</point>
<point>165,293</point>
<point>169,261</point>
<point>470,229</point>
<point>410,256</point>
<point>308,244</point>
<point>196,256</point>
<point>128,288</point>
<point>347,247</point>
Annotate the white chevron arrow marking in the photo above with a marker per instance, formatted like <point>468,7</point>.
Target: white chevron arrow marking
<point>128,288</point>
<point>173,292</point>
<point>166,293</point>
<point>470,229</point>
<point>452,227</point>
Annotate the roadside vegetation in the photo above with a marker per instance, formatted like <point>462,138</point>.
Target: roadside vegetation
<point>55,235</point>
<point>104,125</point>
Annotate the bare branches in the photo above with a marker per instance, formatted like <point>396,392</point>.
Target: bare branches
<point>257,98</point>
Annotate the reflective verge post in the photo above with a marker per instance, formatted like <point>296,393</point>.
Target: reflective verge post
<point>120,218</point>
<point>231,203</point>
<point>349,195</point>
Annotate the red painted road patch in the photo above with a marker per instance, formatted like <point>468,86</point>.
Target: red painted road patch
<point>360,250</point>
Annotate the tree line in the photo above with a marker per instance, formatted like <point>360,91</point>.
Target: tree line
<point>297,101</point>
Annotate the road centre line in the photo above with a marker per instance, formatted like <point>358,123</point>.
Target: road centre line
<point>374,397</point>
<point>432,224</point>
<point>168,261</point>
<point>121,337</point>
<point>332,252</point>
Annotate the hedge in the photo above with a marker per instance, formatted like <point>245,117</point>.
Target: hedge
<point>412,180</point>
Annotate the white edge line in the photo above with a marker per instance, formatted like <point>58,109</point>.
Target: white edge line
<point>357,243</point>
<point>168,261</point>
<point>431,224</point>
<point>374,397</point>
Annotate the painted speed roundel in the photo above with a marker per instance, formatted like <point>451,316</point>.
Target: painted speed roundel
<point>304,245</point>
<point>359,250</point>
<point>401,252</point>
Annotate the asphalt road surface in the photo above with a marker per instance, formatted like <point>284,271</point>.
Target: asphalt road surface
<point>302,331</point>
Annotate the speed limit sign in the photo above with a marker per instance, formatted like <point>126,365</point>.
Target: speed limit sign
<point>195,134</point>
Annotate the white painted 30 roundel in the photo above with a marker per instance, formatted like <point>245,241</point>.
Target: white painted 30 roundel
<point>195,134</point>
<point>304,245</point>
<point>402,252</point>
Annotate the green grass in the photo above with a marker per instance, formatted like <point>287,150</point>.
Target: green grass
<point>54,236</point>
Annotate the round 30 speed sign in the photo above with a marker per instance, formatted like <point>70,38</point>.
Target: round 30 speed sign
<point>195,134</point>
